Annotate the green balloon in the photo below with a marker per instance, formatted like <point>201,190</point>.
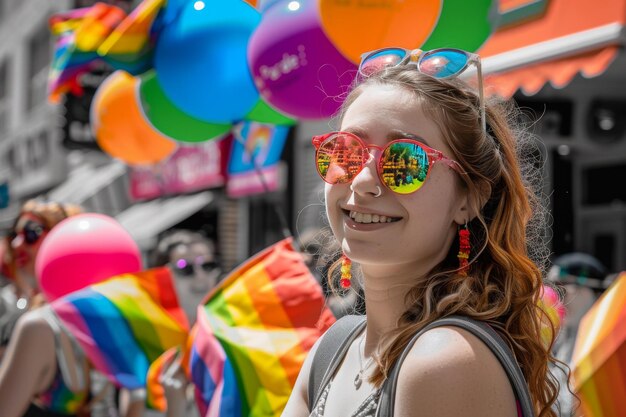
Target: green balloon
<point>263,113</point>
<point>464,25</point>
<point>169,119</point>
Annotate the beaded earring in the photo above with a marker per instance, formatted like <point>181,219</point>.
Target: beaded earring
<point>346,273</point>
<point>464,249</point>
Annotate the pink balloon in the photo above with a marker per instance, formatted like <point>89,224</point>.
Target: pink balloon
<point>83,250</point>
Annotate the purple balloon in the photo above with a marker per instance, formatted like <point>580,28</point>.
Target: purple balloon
<point>295,66</point>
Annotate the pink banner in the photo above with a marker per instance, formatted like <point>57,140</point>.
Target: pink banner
<point>191,168</point>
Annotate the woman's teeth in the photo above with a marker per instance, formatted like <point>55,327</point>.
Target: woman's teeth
<point>369,218</point>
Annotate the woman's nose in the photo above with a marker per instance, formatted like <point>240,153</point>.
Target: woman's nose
<point>367,181</point>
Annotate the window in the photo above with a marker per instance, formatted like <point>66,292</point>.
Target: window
<point>40,57</point>
<point>604,185</point>
<point>4,99</point>
<point>605,120</point>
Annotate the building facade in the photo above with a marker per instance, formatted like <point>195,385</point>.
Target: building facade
<point>31,159</point>
<point>49,150</point>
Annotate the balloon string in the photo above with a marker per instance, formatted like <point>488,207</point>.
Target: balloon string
<point>282,220</point>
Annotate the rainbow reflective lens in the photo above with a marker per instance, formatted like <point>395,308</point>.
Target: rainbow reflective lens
<point>403,164</point>
<point>439,63</point>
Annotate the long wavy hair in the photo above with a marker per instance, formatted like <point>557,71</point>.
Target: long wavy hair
<point>508,238</point>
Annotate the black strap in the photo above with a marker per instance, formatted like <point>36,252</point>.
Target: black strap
<point>489,337</point>
<point>337,340</point>
<point>333,346</point>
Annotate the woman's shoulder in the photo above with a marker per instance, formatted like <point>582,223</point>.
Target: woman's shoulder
<point>449,372</point>
<point>34,321</point>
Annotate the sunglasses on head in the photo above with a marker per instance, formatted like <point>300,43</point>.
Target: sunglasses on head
<point>439,63</point>
<point>31,233</point>
<point>186,268</point>
<point>403,164</point>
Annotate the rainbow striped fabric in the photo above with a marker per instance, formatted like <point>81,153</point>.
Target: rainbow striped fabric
<point>125,323</point>
<point>60,399</point>
<point>80,32</point>
<point>253,334</point>
<point>155,395</point>
<point>599,359</point>
<point>102,32</point>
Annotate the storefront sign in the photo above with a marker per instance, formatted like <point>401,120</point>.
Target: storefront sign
<point>191,168</point>
<point>77,133</point>
<point>260,145</point>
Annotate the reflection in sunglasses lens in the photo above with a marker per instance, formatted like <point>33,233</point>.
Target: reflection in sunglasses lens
<point>208,266</point>
<point>443,64</point>
<point>186,268</point>
<point>404,167</point>
<point>382,60</point>
<point>340,159</point>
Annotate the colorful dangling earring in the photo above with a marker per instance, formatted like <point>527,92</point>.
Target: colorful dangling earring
<point>346,273</point>
<point>464,249</point>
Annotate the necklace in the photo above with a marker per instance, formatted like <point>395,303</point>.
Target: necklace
<point>358,379</point>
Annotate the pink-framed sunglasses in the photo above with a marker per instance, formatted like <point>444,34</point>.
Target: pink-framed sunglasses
<point>403,164</point>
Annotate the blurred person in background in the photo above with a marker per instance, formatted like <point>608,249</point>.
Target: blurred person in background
<point>36,219</point>
<point>193,259</point>
<point>581,279</point>
<point>320,251</point>
<point>20,247</point>
<point>44,372</point>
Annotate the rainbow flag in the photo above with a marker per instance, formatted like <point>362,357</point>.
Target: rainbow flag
<point>102,32</point>
<point>67,65</point>
<point>60,23</point>
<point>81,32</point>
<point>132,35</point>
<point>97,24</point>
<point>253,333</point>
<point>599,358</point>
<point>155,393</point>
<point>125,323</point>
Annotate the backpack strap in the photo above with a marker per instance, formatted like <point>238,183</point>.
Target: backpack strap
<point>489,337</point>
<point>72,363</point>
<point>331,349</point>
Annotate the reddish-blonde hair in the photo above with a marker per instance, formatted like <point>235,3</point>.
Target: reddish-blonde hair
<point>503,284</point>
<point>49,212</point>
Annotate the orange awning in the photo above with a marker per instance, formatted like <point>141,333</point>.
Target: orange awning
<point>571,37</point>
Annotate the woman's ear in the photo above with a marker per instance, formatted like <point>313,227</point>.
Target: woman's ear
<point>473,200</point>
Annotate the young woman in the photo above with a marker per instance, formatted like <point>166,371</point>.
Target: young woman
<point>35,220</point>
<point>451,241</point>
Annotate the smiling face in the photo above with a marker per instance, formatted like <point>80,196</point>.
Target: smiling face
<point>399,234</point>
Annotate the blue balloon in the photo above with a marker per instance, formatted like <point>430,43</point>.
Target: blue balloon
<point>201,60</point>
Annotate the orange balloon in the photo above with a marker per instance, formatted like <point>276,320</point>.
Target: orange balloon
<point>358,26</point>
<point>119,125</point>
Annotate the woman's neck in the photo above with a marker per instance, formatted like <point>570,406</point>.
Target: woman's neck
<point>385,301</point>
